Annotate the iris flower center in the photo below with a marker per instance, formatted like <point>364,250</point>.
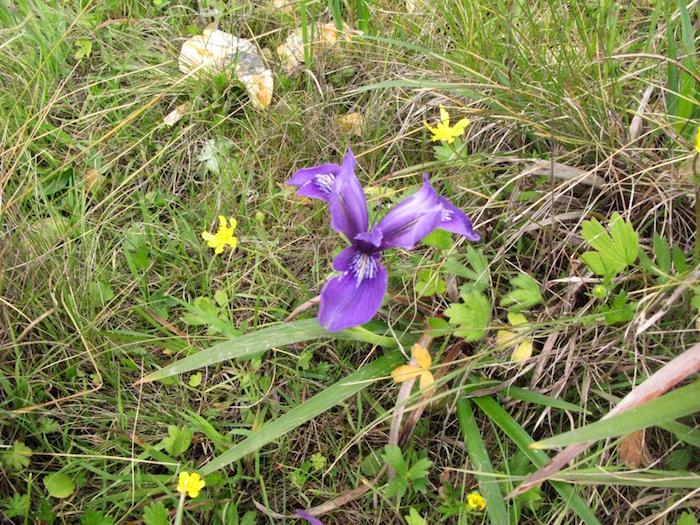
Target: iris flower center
<point>363,266</point>
<point>324,182</point>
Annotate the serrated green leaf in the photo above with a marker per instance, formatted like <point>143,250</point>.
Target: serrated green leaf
<point>178,440</point>
<point>393,457</point>
<point>429,283</point>
<point>195,380</point>
<point>84,48</point>
<point>440,239</point>
<point>93,517</point>
<point>596,263</point>
<point>525,293</point>
<point>477,272</point>
<point>614,251</point>
<point>420,469</point>
<point>156,514</point>
<point>620,311</point>
<point>413,518</point>
<point>16,506</point>
<point>680,263</point>
<point>59,485</point>
<point>662,253</point>
<point>221,298</point>
<point>471,317</point>
<point>17,458</point>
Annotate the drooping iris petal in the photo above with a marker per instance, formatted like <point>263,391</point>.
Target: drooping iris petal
<point>315,182</point>
<point>353,297</point>
<point>347,201</point>
<point>411,219</point>
<point>313,520</point>
<point>454,220</point>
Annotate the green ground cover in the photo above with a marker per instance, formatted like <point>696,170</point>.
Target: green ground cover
<point>577,169</point>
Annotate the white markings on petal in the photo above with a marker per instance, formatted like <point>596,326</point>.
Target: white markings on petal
<point>324,182</point>
<point>363,267</point>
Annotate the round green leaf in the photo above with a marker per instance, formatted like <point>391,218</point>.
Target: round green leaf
<point>59,485</point>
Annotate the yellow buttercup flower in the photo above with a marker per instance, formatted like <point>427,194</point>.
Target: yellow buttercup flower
<point>224,236</point>
<point>505,338</point>
<point>476,501</point>
<point>423,361</point>
<point>190,483</point>
<point>443,130</point>
<point>697,141</point>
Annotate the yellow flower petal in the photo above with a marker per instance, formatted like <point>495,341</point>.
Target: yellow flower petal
<point>190,483</point>
<point>444,116</point>
<point>207,236</point>
<point>422,356</point>
<point>405,372</point>
<point>697,141</point>
<point>516,319</point>
<point>523,352</point>
<point>461,125</point>
<point>427,381</point>
<point>476,501</point>
<point>232,224</point>
<point>222,222</point>
<point>505,338</point>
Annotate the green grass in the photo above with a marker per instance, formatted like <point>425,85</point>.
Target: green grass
<point>104,277</point>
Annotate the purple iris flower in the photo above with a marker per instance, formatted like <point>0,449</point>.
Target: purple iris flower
<point>353,297</point>
<point>313,520</point>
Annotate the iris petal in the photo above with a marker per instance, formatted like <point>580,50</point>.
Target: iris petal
<point>347,201</point>
<point>313,520</point>
<point>315,182</point>
<point>411,219</point>
<point>354,297</point>
<point>454,220</point>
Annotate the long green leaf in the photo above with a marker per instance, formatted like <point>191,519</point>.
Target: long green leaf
<point>308,410</point>
<point>678,403</point>
<point>683,432</point>
<point>523,394</point>
<point>259,341</point>
<point>538,458</point>
<point>495,505</point>
<point>649,478</point>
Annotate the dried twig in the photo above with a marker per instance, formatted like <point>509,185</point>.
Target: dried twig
<point>303,307</point>
<point>657,384</point>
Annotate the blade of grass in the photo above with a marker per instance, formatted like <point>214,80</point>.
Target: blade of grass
<point>678,403</point>
<point>538,458</point>
<point>243,346</point>
<point>264,339</point>
<point>648,478</point>
<point>495,505</point>
<point>308,410</point>
<point>523,394</point>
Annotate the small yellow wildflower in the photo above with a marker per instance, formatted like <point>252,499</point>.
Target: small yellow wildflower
<point>222,237</point>
<point>443,130</point>
<point>697,141</point>
<point>505,338</point>
<point>422,358</point>
<point>190,483</point>
<point>476,501</point>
